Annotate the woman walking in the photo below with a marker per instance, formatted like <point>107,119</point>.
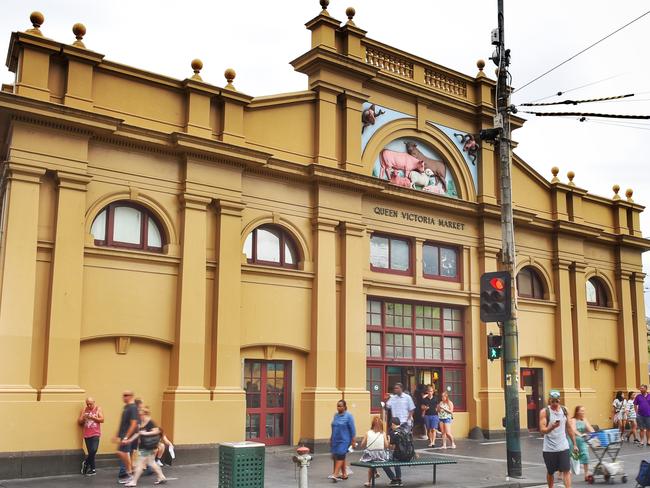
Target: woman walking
<point>446,414</point>
<point>630,416</point>
<point>429,405</point>
<point>90,418</point>
<point>618,407</point>
<point>149,437</point>
<point>341,440</point>
<point>581,426</point>
<point>374,443</point>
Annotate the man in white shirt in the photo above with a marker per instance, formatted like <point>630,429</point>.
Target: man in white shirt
<point>401,405</point>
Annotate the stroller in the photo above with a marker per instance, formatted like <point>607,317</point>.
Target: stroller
<point>605,446</point>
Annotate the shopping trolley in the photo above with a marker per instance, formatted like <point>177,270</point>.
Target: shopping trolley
<point>605,446</point>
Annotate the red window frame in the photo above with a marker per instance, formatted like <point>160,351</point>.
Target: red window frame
<point>285,238</point>
<point>391,238</point>
<point>143,245</point>
<point>536,283</point>
<point>442,363</point>
<point>440,247</point>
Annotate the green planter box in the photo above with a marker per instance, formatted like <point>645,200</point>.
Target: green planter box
<point>241,465</point>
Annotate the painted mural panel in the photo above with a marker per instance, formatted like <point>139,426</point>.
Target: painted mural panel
<point>411,163</point>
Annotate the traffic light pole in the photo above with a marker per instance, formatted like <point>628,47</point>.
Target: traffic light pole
<point>510,334</point>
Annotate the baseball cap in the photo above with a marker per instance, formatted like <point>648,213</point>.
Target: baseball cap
<point>554,394</point>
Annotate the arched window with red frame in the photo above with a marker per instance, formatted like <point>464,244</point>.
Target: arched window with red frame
<point>530,283</point>
<point>128,225</point>
<point>271,245</point>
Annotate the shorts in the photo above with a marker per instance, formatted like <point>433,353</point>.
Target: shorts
<point>431,421</point>
<point>338,457</point>
<point>643,422</point>
<point>128,448</point>
<point>557,461</point>
<point>445,421</point>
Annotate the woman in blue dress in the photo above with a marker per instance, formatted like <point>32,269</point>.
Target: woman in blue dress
<point>342,439</point>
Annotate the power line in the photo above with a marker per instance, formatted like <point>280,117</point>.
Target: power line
<point>576,102</point>
<point>580,114</point>
<point>617,125</point>
<point>584,50</point>
<point>560,93</point>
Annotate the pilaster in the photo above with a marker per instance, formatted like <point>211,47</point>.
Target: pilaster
<point>29,57</point>
<point>581,330</point>
<point>19,228</point>
<point>326,124</point>
<point>79,81</point>
<point>61,372</point>
<point>353,307</point>
<point>626,367</point>
<point>640,330</point>
<point>353,103</point>
<point>564,368</point>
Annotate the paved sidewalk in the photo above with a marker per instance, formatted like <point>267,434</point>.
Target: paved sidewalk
<point>481,464</point>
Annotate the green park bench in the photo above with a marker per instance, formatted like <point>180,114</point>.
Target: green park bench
<point>422,461</point>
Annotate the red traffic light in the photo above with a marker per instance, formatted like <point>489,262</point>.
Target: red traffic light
<point>497,284</point>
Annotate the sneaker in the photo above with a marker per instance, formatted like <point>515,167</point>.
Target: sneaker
<point>159,462</point>
<point>84,467</point>
<point>161,481</point>
<point>126,480</point>
<point>395,482</point>
<point>91,472</point>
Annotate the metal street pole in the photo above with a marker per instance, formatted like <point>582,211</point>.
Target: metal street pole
<point>510,336</point>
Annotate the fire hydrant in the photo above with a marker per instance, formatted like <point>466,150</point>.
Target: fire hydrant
<point>302,461</point>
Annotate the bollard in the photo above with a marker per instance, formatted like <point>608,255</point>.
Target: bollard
<point>302,460</point>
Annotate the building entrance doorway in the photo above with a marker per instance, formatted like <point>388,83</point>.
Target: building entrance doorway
<point>412,377</point>
<point>267,386</point>
<point>533,383</point>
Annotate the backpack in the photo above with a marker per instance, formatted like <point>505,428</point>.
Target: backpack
<point>643,478</point>
<point>548,413</point>
<point>404,450</point>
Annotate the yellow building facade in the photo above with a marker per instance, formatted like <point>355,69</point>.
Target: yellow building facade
<point>243,262</point>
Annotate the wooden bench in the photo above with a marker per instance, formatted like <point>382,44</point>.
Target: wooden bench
<point>422,461</point>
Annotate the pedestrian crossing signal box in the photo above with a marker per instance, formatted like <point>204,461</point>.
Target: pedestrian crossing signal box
<point>494,344</point>
<point>495,297</point>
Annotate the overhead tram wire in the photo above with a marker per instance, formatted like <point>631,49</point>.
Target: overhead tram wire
<point>560,93</point>
<point>576,102</point>
<point>625,126</point>
<point>580,52</point>
<point>587,114</point>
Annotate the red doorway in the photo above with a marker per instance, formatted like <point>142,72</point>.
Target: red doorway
<point>533,383</point>
<point>267,385</point>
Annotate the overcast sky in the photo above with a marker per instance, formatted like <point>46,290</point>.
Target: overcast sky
<point>258,39</point>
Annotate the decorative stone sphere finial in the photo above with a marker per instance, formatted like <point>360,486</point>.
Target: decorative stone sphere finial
<point>554,171</point>
<point>616,189</point>
<point>324,4</point>
<point>480,64</point>
<point>571,175</point>
<point>230,76</point>
<point>37,19</point>
<point>350,13</point>
<point>79,31</point>
<point>628,193</point>
<point>197,65</point>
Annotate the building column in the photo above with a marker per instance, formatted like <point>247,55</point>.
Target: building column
<point>186,401</point>
<point>61,375</point>
<point>563,371</point>
<point>321,394</point>
<point>353,330</point>
<point>19,241</point>
<point>228,395</point>
<point>626,367</point>
<point>581,331</point>
<point>640,331</point>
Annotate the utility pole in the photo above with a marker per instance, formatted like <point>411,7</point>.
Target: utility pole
<point>510,334</point>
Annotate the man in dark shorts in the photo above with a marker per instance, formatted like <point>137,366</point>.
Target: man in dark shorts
<point>642,408</point>
<point>128,426</point>
<point>553,423</point>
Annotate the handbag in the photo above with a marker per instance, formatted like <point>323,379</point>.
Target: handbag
<point>149,442</point>
<point>576,467</point>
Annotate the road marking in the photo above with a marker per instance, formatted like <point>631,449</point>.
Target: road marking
<point>475,458</point>
<point>493,442</point>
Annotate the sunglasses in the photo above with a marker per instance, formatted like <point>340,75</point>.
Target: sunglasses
<point>555,400</point>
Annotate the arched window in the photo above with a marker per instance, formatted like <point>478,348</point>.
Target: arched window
<point>128,225</point>
<point>530,284</point>
<point>271,245</point>
<point>596,293</point>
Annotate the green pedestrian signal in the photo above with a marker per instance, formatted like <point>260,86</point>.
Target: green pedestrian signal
<point>494,346</point>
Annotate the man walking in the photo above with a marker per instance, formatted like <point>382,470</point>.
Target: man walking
<point>128,426</point>
<point>401,405</point>
<point>642,409</point>
<point>553,423</point>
